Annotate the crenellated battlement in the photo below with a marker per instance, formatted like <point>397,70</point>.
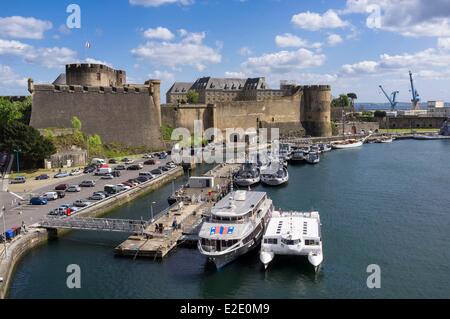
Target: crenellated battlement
<point>91,67</point>
<point>316,87</point>
<point>125,89</point>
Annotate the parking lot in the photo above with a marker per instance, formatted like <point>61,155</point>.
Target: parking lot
<point>30,214</point>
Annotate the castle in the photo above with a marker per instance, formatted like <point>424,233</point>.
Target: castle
<point>131,114</point>
<point>250,103</point>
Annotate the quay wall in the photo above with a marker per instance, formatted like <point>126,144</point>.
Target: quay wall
<point>36,237</point>
<point>16,251</point>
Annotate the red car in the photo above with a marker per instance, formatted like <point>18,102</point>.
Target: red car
<point>62,187</point>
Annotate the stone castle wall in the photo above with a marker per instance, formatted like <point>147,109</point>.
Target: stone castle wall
<point>412,122</point>
<point>316,110</point>
<point>129,115</point>
<point>185,115</point>
<point>94,75</point>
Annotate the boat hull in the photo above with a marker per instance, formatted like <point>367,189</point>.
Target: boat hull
<point>275,182</point>
<point>347,146</point>
<point>247,181</point>
<point>430,138</point>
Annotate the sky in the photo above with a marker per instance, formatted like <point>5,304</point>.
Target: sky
<point>352,45</point>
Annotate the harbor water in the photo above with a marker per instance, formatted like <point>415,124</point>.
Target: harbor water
<point>381,204</point>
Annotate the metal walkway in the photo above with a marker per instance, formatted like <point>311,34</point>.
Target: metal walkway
<point>98,224</point>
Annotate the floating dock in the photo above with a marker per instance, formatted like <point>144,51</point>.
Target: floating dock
<point>161,237</point>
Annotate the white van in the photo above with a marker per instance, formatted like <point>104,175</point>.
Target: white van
<point>51,196</point>
<point>103,171</point>
<point>98,161</point>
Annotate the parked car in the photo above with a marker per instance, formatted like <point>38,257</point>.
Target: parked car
<point>51,196</point>
<point>150,162</point>
<point>60,211</point>
<point>73,189</point>
<point>97,196</point>
<point>62,187</point>
<point>120,168</point>
<point>164,168</point>
<point>81,203</point>
<point>156,172</point>
<point>134,168</point>
<point>19,180</point>
<point>126,159</point>
<point>61,194</point>
<point>76,172</point>
<point>38,201</point>
<point>103,171</point>
<point>89,169</point>
<point>143,179</point>
<point>42,177</point>
<point>116,173</point>
<point>102,193</point>
<point>171,165</point>
<point>146,174</point>
<point>97,161</point>
<point>62,175</point>
<point>122,187</point>
<point>107,176</point>
<point>113,161</point>
<point>129,184</point>
<point>87,184</point>
<point>163,155</point>
<point>133,182</point>
<point>148,156</point>
<point>111,189</point>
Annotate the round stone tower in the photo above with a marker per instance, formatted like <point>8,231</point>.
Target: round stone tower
<point>316,110</point>
<point>94,75</point>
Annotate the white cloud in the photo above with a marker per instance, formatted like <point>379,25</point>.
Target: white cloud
<point>23,27</point>
<point>314,21</point>
<point>48,57</point>
<point>282,62</point>
<point>95,61</point>
<point>157,3</point>
<point>289,40</point>
<point>412,18</point>
<point>360,67</point>
<point>190,50</point>
<point>444,43</point>
<point>245,51</point>
<point>11,82</point>
<point>162,75</point>
<point>235,75</point>
<point>159,33</point>
<point>13,47</point>
<point>334,39</point>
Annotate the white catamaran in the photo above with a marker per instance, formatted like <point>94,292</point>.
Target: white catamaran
<point>293,233</point>
<point>235,227</point>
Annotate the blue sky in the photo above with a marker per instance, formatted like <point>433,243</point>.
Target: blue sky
<point>352,45</point>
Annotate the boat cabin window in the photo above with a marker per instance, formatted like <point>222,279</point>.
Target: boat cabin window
<point>291,242</point>
<point>271,241</point>
<point>217,245</point>
<point>310,242</point>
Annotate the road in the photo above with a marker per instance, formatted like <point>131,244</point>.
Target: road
<point>32,214</point>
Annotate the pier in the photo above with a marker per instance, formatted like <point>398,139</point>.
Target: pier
<point>163,235</point>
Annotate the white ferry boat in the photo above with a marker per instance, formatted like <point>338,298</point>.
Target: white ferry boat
<point>293,233</point>
<point>235,227</point>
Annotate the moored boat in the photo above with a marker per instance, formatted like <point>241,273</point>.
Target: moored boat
<point>275,175</point>
<point>248,175</point>
<point>312,158</point>
<point>293,233</point>
<point>236,226</point>
<point>346,144</point>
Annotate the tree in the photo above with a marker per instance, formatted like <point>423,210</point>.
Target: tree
<point>341,101</point>
<point>193,97</point>
<point>352,97</point>
<point>76,123</point>
<point>34,147</point>
<point>15,111</point>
